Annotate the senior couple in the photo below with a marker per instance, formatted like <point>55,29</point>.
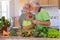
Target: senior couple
<point>28,20</point>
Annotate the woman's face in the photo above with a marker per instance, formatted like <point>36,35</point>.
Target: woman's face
<point>27,9</point>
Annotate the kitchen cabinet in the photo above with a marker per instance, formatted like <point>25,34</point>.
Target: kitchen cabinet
<point>43,2</point>
<point>53,2</point>
<point>59,4</point>
<point>48,2</point>
<point>22,2</point>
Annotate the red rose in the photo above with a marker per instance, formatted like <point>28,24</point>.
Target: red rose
<point>30,16</point>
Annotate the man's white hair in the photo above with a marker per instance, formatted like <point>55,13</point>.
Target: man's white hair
<point>34,3</point>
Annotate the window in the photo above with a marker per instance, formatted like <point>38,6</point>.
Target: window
<point>0,9</point>
<point>4,8</point>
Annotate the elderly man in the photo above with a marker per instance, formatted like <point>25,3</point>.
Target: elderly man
<point>42,18</point>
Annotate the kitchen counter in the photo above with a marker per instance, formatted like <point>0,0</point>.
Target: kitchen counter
<point>25,38</point>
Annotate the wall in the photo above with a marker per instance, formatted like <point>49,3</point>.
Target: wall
<point>13,11</point>
<point>54,15</point>
<point>59,13</point>
<point>13,8</point>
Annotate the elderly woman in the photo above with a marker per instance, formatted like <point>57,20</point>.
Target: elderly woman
<point>25,20</point>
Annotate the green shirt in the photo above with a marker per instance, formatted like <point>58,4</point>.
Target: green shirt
<point>42,16</point>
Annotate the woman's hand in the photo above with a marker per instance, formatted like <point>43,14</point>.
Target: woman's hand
<point>28,27</point>
<point>35,21</point>
<point>25,28</point>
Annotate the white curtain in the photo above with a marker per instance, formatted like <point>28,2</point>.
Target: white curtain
<point>4,8</point>
<point>0,9</point>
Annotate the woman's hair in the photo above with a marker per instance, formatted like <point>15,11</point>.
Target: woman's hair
<point>26,5</point>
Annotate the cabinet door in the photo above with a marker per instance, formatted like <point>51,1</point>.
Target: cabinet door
<point>22,2</point>
<point>59,4</point>
<point>53,2</point>
<point>43,2</point>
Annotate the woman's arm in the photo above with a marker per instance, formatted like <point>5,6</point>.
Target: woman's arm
<point>29,27</point>
<point>20,20</point>
<point>32,26</point>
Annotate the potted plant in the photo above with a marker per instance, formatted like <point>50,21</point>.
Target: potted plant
<point>4,23</point>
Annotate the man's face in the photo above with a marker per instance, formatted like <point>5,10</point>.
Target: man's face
<point>34,8</point>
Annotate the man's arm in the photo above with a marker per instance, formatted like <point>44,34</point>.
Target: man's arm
<point>47,23</point>
<point>45,17</point>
